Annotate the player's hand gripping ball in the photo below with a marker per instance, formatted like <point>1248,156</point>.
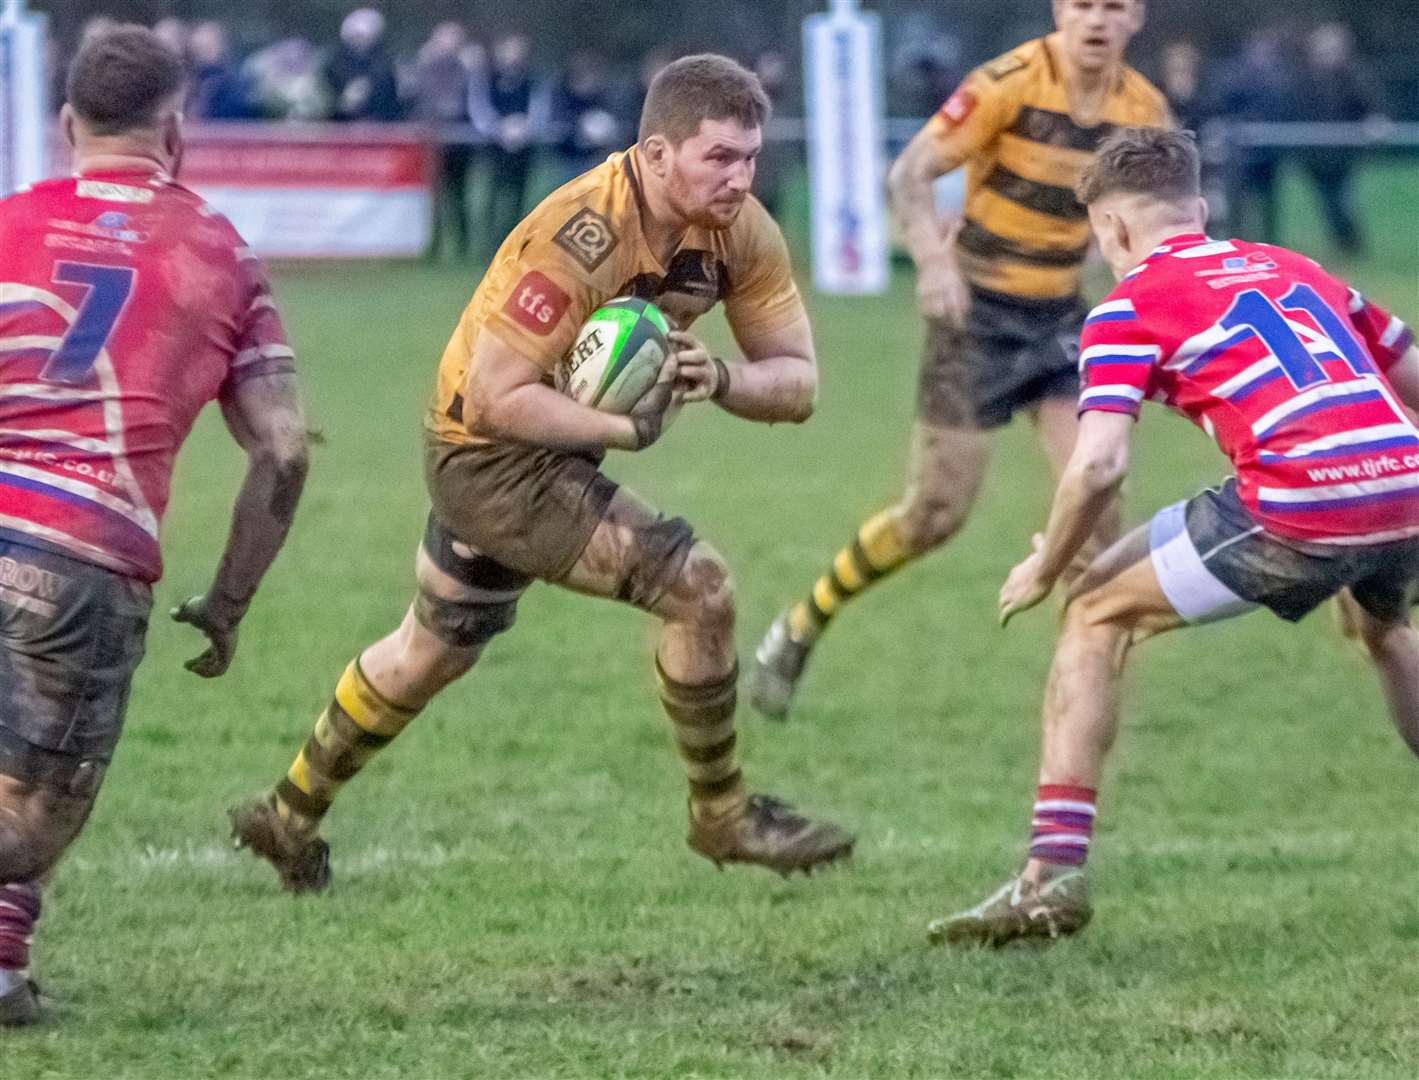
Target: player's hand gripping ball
<point>617,356</point>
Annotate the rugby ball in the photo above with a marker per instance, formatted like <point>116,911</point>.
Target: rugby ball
<point>617,356</point>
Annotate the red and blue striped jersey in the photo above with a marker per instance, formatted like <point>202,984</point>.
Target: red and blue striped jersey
<point>126,305</point>
<point>1281,364</point>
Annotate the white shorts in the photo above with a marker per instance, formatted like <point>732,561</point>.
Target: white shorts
<point>1194,591</point>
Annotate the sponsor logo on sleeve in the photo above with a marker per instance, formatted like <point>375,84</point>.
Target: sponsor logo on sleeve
<point>537,303</point>
<point>587,238</point>
<point>959,106</point>
<point>1005,65</point>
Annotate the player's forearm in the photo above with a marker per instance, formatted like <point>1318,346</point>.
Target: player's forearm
<point>265,507</point>
<point>537,415</point>
<point>1085,493</point>
<point>774,390</point>
<point>913,204</point>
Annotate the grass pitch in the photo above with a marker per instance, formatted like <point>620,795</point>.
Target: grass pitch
<point>513,895</point>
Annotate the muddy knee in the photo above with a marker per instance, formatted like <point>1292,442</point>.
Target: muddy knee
<point>706,589</point>
<point>928,521</point>
<point>946,391</point>
<point>944,476</point>
<point>36,825</point>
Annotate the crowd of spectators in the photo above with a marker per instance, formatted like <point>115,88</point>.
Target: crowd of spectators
<point>496,114</point>
<point>1280,76</point>
<point>503,118</point>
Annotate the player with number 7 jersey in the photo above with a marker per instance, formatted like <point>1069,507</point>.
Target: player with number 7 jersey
<point>126,305</point>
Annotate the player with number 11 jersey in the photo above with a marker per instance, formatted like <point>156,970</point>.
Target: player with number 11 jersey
<point>1281,364</point>
<point>1308,388</point>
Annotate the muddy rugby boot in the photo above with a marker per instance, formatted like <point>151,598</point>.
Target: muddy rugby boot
<point>778,665</point>
<point>1055,906</point>
<point>302,862</point>
<point>768,832</point>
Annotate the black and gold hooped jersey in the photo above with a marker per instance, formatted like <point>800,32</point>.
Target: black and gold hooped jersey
<point>1025,234</point>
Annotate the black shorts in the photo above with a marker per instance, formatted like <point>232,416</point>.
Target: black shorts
<point>522,513</point>
<point>71,635</point>
<point>1213,560</point>
<point>1012,354</point>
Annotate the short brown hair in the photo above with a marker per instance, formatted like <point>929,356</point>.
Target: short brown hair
<point>1143,161</point>
<point>693,89</point>
<point>121,78</point>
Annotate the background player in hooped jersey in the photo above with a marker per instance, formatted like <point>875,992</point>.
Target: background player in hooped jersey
<point>1303,384</point>
<point>125,306</point>
<point>513,466</point>
<point>1000,292</point>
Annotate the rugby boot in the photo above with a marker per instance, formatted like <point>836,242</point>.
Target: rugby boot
<point>1056,905</point>
<point>768,832</point>
<point>303,862</point>
<point>778,665</point>
<point>19,1004</point>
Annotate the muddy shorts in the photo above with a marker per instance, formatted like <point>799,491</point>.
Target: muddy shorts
<point>529,512</point>
<point>71,636</point>
<point>1012,354</point>
<point>1214,561</point>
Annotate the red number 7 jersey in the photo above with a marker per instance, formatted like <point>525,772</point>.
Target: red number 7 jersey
<point>1283,366</point>
<point>126,305</point>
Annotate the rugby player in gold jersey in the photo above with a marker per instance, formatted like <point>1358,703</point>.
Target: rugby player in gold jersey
<point>513,466</point>
<point>999,289</point>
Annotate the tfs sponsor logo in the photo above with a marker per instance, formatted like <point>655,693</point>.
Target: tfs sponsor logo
<point>537,303</point>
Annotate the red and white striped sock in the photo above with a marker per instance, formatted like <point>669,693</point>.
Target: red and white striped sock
<point>1063,824</point>
<point>19,911</point>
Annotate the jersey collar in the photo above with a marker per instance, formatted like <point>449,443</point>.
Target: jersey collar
<point>1182,240</point>
<point>130,165</point>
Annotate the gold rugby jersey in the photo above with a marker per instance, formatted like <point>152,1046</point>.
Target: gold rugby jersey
<point>1025,234</point>
<point>583,245</point>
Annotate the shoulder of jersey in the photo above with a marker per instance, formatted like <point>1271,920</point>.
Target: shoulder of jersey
<point>1019,59</point>
<point>753,221</point>
<point>1138,85</point>
<point>588,220</point>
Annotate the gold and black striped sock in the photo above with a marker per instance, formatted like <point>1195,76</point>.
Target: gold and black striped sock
<point>878,550</point>
<point>357,724</point>
<point>703,721</point>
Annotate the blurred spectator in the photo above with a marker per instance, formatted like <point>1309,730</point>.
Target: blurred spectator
<point>1337,87</point>
<point>217,90</point>
<point>1260,87</point>
<point>285,81</point>
<point>512,115</point>
<point>360,76</point>
<point>439,93</point>
<point>925,67</point>
<point>1182,84</point>
<point>172,32</point>
<point>93,27</point>
<point>775,158</point>
<point>1195,107</point>
<point>585,115</point>
<point>631,96</point>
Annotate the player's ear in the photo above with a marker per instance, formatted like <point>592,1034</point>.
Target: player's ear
<point>1140,13</point>
<point>172,139</point>
<point>66,125</point>
<point>1118,230</point>
<point>655,152</point>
